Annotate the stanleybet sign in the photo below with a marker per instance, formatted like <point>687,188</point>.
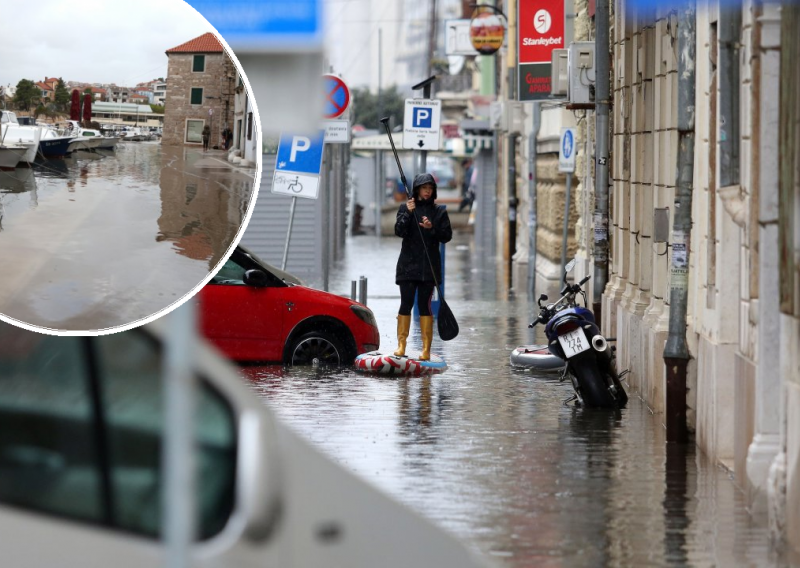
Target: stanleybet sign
<point>541,30</point>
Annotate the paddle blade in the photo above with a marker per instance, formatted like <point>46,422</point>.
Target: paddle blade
<point>446,321</point>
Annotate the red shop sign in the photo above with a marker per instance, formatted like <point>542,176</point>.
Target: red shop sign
<point>541,29</point>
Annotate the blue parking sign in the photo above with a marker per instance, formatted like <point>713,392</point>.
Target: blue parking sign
<point>300,153</point>
<point>423,117</point>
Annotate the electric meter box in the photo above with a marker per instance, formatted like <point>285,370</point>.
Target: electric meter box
<point>559,73</point>
<point>581,72</point>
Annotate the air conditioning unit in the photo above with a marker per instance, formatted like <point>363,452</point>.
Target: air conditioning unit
<point>559,73</point>
<point>581,72</point>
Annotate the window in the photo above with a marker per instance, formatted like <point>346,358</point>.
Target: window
<point>198,63</point>
<point>197,96</point>
<point>249,125</point>
<point>194,131</point>
<point>230,274</point>
<point>81,427</point>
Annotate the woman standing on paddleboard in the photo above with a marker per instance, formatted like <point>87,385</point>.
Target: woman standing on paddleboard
<point>422,225</point>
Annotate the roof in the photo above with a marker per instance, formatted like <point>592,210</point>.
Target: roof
<point>206,43</point>
<point>44,86</point>
<point>127,108</point>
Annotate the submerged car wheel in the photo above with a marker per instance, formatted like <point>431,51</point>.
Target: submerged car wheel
<point>322,346</point>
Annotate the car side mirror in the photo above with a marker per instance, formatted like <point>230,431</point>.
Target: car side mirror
<point>256,278</point>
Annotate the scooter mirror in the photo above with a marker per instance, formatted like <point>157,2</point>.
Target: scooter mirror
<point>570,265</point>
<point>542,298</point>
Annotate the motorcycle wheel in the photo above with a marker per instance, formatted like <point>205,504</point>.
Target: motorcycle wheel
<point>592,382</point>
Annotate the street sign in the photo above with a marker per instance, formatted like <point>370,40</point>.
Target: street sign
<point>456,38</point>
<point>298,165</point>
<point>337,131</point>
<point>421,123</point>
<point>566,151</point>
<point>540,31</point>
<point>265,25</point>
<point>337,96</point>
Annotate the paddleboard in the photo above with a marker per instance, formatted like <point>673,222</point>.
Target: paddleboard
<point>388,364</point>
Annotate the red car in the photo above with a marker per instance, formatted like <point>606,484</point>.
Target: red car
<point>254,312</point>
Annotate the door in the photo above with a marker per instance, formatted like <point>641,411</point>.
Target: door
<point>245,322</point>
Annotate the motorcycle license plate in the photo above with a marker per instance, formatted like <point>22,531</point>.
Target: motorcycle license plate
<point>573,342</point>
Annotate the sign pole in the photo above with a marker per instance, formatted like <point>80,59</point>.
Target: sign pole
<point>565,238</point>
<point>566,164</point>
<point>288,234</point>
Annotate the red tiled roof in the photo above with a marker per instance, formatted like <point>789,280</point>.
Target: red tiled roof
<point>44,86</point>
<point>206,43</point>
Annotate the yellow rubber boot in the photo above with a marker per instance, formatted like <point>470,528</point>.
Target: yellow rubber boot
<point>403,325</point>
<point>426,326</point>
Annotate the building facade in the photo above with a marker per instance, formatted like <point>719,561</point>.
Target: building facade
<point>201,80</point>
<point>743,321</point>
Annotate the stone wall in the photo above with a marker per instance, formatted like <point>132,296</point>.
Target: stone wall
<point>218,81</point>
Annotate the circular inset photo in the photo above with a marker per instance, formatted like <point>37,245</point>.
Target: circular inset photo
<point>130,158</point>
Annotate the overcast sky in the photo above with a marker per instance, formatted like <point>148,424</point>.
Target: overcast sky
<point>94,41</point>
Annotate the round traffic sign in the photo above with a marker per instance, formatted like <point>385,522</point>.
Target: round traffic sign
<point>337,96</point>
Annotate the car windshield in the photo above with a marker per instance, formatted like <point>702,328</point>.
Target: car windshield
<point>283,275</point>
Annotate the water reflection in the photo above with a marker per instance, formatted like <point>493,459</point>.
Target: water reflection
<point>99,240</point>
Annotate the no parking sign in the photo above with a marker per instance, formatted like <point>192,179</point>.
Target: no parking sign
<point>337,96</point>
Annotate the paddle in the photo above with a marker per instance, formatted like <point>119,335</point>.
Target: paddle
<point>446,321</point>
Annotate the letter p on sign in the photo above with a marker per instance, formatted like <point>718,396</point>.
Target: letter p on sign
<point>422,117</point>
<point>299,144</point>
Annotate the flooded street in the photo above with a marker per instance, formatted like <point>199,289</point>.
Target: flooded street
<point>103,239</point>
<point>492,454</point>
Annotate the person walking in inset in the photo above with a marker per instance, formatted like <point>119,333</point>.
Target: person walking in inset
<point>422,225</point>
<point>206,136</point>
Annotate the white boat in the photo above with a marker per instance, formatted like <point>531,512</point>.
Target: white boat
<point>82,138</point>
<point>10,155</point>
<point>11,132</point>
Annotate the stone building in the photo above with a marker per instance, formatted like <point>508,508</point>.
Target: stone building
<point>743,328</point>
<point>743,321</point>
<point>201,79</point>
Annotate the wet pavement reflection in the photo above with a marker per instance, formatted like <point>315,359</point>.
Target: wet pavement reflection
<point>491,453</point>
<point>103,239</point>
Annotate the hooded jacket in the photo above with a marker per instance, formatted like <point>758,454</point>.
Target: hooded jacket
<point>412,263</point>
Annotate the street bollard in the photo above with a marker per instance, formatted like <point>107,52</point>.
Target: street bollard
<point>362,290</point>
<point>353,290</point>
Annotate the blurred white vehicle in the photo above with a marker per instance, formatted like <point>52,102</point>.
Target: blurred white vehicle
<point>82,426</point>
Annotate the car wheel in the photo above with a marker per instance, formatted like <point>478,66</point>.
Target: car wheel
<point>320,345</point>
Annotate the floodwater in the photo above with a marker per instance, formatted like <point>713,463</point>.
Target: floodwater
<point>491,453</point>
<point>104,239</point>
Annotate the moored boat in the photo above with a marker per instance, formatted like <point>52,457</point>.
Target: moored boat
<point>10,155</point>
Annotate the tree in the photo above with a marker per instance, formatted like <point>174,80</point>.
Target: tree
<point>158,109</point>
<point>62,96</point>
<point>28,95</point>
<point>365,107</point>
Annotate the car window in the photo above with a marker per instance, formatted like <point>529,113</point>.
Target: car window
<point>93,454</point>
<point>231,274</point>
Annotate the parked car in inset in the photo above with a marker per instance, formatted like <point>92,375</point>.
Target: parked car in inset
<point>254,312</point>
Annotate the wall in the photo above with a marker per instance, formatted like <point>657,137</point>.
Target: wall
<point>216,83</point>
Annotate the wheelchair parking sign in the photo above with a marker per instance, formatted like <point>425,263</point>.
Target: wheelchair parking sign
<point>298,165</point>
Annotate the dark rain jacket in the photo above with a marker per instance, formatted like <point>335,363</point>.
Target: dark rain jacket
<point>412,263</point>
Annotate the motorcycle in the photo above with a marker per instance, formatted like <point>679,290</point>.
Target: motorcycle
<point>573,336</point>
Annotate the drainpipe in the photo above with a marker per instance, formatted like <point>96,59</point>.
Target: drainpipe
<point>533,222</point>
<point>676,352</point>
<point>512,206</point>
<point>602,99</point>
